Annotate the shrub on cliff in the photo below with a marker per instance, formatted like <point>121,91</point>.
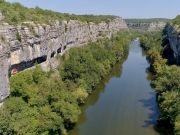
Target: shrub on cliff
<point>176,20</point>
<point>177,124</point>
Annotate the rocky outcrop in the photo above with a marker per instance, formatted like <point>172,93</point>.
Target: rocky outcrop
<point>23,46</point>
<point>146,26</point>
<point>173,36</point>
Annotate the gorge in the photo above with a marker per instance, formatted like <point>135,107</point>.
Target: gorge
<point>120,108</point>
<point>61,73</point>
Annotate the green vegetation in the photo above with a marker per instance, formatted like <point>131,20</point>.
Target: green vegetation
<point>166,80</point>
<point>15,14</point>
<point>2,38</point>
<point>150,20</point>
<point>18,36</point>
<point>176,21</point>
<point>49,103</point>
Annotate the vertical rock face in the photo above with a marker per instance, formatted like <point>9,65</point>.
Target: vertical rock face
<point>173,36</point>
<point>23,46</point>
<point>4,77</point>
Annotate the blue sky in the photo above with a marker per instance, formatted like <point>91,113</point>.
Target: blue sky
<point>124,8</point>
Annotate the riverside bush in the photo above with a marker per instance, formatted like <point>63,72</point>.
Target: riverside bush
<point>166,80</point>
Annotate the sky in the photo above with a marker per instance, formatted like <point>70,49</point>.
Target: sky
<point>123,8</point>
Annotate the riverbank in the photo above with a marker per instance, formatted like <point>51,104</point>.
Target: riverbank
<point>165,80</point>
<point>124,104</point>
<point>50,102</point>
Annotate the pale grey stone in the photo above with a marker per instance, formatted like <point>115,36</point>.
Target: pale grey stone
<point>23,44</point>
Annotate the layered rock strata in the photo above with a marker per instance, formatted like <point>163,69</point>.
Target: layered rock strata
<point>22,47</point>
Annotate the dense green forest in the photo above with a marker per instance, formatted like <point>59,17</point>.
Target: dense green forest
<point>16,13</point>
<point>49,103</point>
<point>166,79</point>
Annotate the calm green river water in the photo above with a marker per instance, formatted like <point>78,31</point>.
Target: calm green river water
<point>124,104</point>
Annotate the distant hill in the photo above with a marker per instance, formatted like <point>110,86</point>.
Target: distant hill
<point>149,20</point>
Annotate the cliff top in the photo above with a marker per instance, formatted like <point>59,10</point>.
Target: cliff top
<point>15,13</point>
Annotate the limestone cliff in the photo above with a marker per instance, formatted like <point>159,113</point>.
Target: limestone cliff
<point>173,36</point>
<point>23,46</point>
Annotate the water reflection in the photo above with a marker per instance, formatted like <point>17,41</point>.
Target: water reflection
<point>92,100</point>
<point>150,103</point>
<point>124,103</point>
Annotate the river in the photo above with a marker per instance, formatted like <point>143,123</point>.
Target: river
<point>124,103</point>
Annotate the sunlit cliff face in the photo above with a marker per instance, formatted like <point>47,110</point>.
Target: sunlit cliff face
<point>27,45</point>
